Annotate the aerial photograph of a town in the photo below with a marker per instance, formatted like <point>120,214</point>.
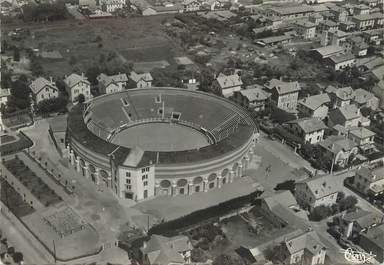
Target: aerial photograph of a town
<point>192,132</point>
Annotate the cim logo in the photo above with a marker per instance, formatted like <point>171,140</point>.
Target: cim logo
<point>358,257</point>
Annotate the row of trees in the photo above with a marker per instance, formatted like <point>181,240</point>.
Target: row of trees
<point>343,204</point>
<point>44,12</point>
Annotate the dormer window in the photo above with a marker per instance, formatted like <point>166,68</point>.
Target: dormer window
<point>158,99</point>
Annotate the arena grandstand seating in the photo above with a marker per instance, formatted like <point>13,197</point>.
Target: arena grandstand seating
<point>121,110</point>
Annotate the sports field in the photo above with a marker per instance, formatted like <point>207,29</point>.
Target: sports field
<point>161,137</point>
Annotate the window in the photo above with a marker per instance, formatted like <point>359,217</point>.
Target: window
<point>128,181</point>
<point>176,115</point>
<point>142,170</point>
<point>160,111</point>
<point>147,169</point>
<point>144,177</point>
<point>129,187</point>
<point>145,183</point>
<point>128,174</point>
<point>158,99</point>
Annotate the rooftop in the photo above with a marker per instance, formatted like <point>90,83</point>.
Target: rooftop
<point>342,58</point>
<point>255,94</point>
<point>343,93</point>
<point>274,39</point>
<point>309,241</point>
<point>283,87</point>
<point>368,16</point>
<point>227,81</point>
<point>39,83</point>
<point>337,143</point>
<point>322,186</point>
<point>361,133</point>
<point>362,96</point>
<point>316,101</point>
<point>375,235</point>
<point>329,50</point>
<point>309,125</point>
<point>73,79</point>
<point>147,77</point>
<point>289,10</point>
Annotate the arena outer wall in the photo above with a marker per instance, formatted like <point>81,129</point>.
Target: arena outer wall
<point>137,174</point>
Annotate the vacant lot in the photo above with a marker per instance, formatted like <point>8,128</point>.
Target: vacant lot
<point>89,43</point>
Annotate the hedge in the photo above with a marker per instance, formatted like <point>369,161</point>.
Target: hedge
<point>212,213</point>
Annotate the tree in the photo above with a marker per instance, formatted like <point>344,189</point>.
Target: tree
<point>52,105</point>
<point>16,54</point>
<point>286,185</point>
<point>320,212</point>
<point>348,203</point>
<point>18,257</point>
<point>81,98</point>
<point>72,60</point>
<point>198,255</point>
<point>225,259</point>
<point>276,253</point>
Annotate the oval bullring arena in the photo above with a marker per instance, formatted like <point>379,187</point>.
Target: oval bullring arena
<point>142,143</point>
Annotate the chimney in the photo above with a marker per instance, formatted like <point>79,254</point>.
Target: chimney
<point>82,75</point>
<point>50,79</point>
<point>145,244</point>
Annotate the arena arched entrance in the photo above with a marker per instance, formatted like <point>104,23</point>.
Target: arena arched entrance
<point>212,180</point>
<point>182,186</point>
<point>197,184</point>
<point>165,187</point>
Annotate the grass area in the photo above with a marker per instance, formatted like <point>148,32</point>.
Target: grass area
<point>6,139</point>
<point>132,39</point>
<point>16,121</point>
<point>11,148</point>
<point>33,183</point>
<point>13,200</point>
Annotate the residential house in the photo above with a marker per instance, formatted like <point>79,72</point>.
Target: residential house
<point>191,5</point>
<point>314,106</point>
<point>254,97</point>
<point>274,40</point>
<point>340,13</point>
<point>290,12</point>
<point>365,99</point>
<point>167,250</point>
<point>333,37</point>
<point>273,22</point>
<point>368,21</point>
<point>364,138</point>
<point>358,221</point>
<point>340,97</point>
<point>327,25</point>
<point>315,18</point>
<point>76,85</point>
<point>277,207</point>
<point>328,51</point>
<point>143,80</point>
<point>342,61</point>
<point>305,29</point>
<point>347,26</point>
<point>339,150</point>
<point>4,94</point>
<point>228,84</point>
<point>346,116</point>
<point>112,84</point>
<point>374,37</point>
<point>42,89</point>
<point>309,130</point>
<point>111,6</point>
<point>284,94</point>
<point>372,241</point>
<point>378,91</point>
<point>358,46</point>
<point>369,182</point>
<point>313,192</point>
<point>305,248</point>
<point>361,10</point>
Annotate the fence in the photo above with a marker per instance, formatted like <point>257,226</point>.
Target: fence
<point>27,231</point>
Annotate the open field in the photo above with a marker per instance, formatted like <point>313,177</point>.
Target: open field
<point>112,41</point>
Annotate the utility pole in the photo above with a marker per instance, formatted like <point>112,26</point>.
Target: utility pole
<point>54,251</point>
